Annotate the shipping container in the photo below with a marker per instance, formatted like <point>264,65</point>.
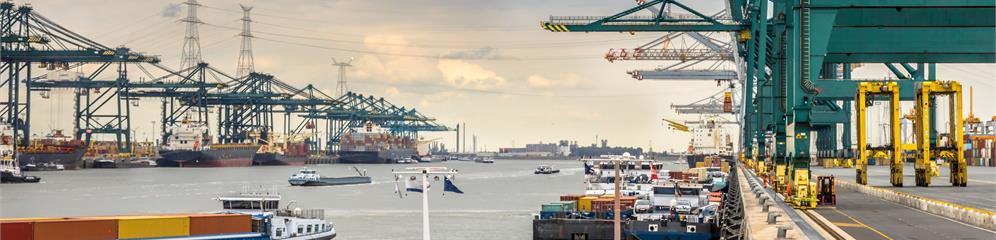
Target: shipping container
<point>584,203</point>
<point>76,229</point>
<point>569,206</point>
<point>571,197</point>
<point>17,230</point>
<point>552,207</point>
<point>153,226</point>
<point>220,224</point>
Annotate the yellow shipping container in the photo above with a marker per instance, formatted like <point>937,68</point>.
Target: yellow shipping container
<point>153,226</point>
<point>584,204</point>
<point>608,196</point>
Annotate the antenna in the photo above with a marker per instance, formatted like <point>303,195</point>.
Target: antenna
<point>341,84</point>
<point>245,54</point>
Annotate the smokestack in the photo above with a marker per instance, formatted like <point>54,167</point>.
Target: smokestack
<point>458,139</point>
<point>465,137</point>
<point>475,143</point>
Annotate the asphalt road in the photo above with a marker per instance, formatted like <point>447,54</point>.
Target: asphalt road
<point>866,217</point>
<point>980,192</point>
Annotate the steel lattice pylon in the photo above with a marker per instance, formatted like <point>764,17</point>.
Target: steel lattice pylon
<point>245,65</point>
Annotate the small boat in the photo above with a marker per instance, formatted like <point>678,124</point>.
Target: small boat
<point>9,171</point>
<point>143,162</point>
<point>484,160</point>
<point>423,159</point>
<point>104,163</point>
<point>43,167</point>
<point>310,177</point>
<point>17,177</point>
<point>544,169</point>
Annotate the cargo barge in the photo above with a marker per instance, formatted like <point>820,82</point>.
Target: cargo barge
<point>310,177</point>
<point>55,149</point>
<point>246,216</point>
<point>373,144</point>
<point>189,145</point>
<point>651,206</point>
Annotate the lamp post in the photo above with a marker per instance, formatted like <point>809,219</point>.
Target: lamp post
<point>426,171</point>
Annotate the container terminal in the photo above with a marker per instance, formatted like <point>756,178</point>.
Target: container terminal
<point>816,152</point>
<point>798,105</point>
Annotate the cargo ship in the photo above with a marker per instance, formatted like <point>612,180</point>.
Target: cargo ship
<point>189,145</point>
<point>373,144</point>
<point>291,150</point>
<point>55,149</point>
<point>711,139</point>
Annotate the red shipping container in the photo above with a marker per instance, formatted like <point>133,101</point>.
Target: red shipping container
<point>220,224</point>
<point>77,229</point>
<point>17,230</point>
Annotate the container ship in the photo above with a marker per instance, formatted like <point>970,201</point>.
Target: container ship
<point>709,140</point>
<point>189,145</point>
<point>293,150</point>
<point>55,149</point>
<point>373,144</point>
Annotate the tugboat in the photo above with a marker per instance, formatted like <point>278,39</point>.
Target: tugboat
<point>545,169</point>
<point>310,177</point>
<point>9,172</point>
<point>277,223</point>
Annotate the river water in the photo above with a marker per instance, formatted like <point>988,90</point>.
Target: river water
<point>498,203</point>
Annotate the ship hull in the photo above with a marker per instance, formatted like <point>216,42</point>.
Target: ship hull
<point>331,181</point>
<point>273,159</point>
<point>386,156</point>
<point>236,157</point>
<point>69,160</point>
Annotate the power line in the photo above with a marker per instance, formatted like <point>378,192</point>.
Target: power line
<point>514,46</point>
<point>576,57</point>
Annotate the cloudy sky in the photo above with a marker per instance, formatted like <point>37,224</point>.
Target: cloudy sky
<point>503,75</point>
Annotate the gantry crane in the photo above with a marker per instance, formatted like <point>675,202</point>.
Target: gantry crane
<point>797,64</point>
<point>244,104</point>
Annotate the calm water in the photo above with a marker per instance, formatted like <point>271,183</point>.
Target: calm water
<point>498,203</point>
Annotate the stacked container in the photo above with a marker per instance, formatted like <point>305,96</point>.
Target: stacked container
<point>584,203</point>
<point>124,227</point>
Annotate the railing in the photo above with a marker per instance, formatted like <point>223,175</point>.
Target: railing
<point>302,213</point>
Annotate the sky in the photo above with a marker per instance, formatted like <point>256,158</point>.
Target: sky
<point>509,80</point>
